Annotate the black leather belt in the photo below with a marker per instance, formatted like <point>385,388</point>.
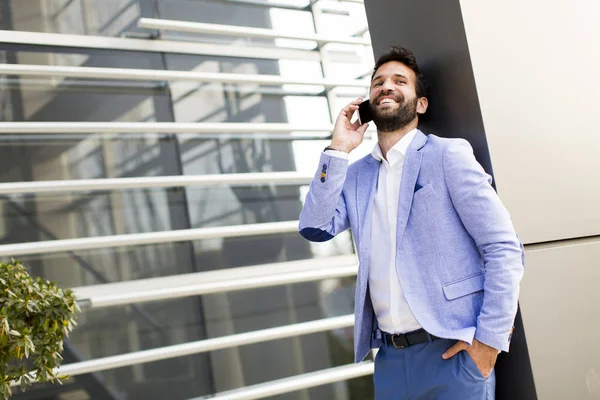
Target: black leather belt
<point>402,340</point>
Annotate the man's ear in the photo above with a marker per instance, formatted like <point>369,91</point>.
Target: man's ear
<point>422,104</point>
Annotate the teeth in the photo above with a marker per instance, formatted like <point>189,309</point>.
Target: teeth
<point>385,101</point>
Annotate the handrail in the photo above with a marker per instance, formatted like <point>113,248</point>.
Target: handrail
<point>153,46</point>
<point>243,31</point>
<point>157,127</point>
<point>203,283</point>
<point>164,75</point>
<point>202,346</point>
<point>84,185</point>
<point>181,235</point>
<point>298,382</point>
<point>168,46</point>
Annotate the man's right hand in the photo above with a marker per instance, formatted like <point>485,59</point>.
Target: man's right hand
<point>347,136</point>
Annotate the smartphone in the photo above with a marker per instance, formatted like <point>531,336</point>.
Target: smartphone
<point>364,112</point>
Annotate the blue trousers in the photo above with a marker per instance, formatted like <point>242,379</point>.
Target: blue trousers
<point>419,373</point>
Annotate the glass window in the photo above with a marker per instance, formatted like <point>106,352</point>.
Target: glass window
<point>136,327</point>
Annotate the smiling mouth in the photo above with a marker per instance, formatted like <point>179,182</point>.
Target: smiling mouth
<point>387,101</point>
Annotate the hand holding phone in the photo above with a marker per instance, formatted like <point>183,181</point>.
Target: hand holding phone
<point>346,135</point>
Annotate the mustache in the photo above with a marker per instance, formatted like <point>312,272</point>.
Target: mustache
<point>397,96</point>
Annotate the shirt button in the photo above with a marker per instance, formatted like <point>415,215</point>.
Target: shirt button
<point>323,180</point>
<point>324,167</point>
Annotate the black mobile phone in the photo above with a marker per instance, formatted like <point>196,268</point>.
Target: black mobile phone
<point>364,112</point>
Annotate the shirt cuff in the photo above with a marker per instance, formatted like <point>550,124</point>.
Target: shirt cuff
<point>338,154</point>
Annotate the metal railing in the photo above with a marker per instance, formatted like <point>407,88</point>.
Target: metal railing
<point>169,75</point>
<point>203,283</point>
<point>135,239</point>
<point>202,346</point>
<point>102,184</point>
<point>242,31</point>
<point>158,127</point>
<point>276,4</point>
<point>298,382</point>
<point>167,46</point>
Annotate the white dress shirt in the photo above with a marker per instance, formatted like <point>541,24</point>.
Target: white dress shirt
<point>390,306</point>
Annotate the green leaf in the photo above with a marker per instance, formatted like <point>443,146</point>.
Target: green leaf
<point>35,315</point>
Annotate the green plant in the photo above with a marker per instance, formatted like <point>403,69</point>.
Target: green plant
<point>35,317</point>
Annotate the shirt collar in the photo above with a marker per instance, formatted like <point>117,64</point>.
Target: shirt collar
<point>397,152</point>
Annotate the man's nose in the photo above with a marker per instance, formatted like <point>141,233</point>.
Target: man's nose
<point>387,86</point>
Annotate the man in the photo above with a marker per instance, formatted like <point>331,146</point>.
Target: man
<point>440,262</point>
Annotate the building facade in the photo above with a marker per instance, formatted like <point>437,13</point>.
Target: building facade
<point>155,155</point>
<point>245,122</point>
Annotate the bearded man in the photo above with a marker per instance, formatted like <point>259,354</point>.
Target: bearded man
<point>439,260</point>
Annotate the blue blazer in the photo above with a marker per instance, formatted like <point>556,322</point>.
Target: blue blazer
<point>458,257</point>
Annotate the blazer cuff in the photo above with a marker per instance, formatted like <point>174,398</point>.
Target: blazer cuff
<point>492,340</point>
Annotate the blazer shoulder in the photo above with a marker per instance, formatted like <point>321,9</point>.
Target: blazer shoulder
<point>437,141</point>
<point>360,164</point>
<point>439,145</point>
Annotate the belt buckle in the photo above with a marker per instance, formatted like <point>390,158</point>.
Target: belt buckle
<point>400,346</point>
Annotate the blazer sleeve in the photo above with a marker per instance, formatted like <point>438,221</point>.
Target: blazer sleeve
<point>324,213</point>
<point>489,224</point>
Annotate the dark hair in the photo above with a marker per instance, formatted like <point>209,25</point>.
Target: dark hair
<point>406,57</point>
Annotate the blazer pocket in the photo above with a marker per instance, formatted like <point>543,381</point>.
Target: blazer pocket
<point>464,286</point>
<point>424,191</point>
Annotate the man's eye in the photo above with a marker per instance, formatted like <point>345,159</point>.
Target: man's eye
<point>377,84</point>
<point>400,82</point>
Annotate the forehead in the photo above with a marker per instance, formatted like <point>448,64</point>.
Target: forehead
<point>394,68</point>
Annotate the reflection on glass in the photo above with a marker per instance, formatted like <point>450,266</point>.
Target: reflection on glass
<point>136,327</point>
<point>80,17</point>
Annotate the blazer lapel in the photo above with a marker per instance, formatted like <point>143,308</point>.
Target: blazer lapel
<point>366,183</point>
<point>410,172</point>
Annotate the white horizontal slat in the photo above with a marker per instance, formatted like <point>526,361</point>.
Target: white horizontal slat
<point>83,185</point>
<point>202,346</point>
<point>149,74</point>
<point>275,4</point>
<point>54,246</point>
<point>69,137</point>
<point>214,277</point>
<point>161,46</point>
<point>268,3</point>
<point>361,31</point>
<point>203,283</point>
<point>243,31</point>
<point>297,382</point>
<point>157,127</point>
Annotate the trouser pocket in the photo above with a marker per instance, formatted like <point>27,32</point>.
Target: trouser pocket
<point>469,365</point>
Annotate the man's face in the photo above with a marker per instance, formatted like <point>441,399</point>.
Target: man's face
<point>394,103</point>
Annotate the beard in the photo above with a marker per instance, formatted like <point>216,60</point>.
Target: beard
<point>389,120</point>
